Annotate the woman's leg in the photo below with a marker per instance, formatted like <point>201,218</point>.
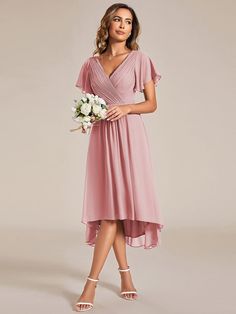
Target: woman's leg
<point>103,244</point>
<point>119,247</point>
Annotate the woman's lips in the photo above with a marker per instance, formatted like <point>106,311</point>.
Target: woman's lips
<point>120,33</point>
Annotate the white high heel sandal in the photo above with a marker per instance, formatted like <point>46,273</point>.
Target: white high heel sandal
<point>123,293</point>
<point>76,305</point>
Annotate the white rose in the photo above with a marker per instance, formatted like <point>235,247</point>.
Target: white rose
<point>96,109</point>
<point>85,109</point>
<point>91,101</point>
<point>102,113</point>
<point>101,101</point>
<point>73,109</point>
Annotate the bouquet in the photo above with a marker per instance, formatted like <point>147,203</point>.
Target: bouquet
<point>88,110</point>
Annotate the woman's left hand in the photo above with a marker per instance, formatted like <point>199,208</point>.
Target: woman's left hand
<point>117,111</point>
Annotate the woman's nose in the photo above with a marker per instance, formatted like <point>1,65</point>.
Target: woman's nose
<point>122,24</point>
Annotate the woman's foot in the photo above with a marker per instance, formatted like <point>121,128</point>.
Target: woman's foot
<point>127,284</point>
<point>87,295</point>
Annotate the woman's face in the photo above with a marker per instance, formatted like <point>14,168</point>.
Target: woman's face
<point>121,25</point>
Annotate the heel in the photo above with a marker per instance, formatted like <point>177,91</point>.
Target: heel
<point>76,306</point>
<point>124,293</point>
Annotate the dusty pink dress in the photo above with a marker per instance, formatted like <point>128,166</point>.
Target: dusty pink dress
<point>119,181</point>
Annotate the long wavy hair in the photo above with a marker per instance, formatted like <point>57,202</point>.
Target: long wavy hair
<point>102,38</point>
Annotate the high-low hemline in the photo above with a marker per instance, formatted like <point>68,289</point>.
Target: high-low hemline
<point>138,233</point>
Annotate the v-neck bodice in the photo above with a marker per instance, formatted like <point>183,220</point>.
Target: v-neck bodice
<point>120,86</point>
<point>117,67</point>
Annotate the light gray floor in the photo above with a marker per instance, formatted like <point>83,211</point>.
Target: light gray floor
<point>193,271</point>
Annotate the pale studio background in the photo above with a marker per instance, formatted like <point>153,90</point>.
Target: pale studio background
<point>44,260</point>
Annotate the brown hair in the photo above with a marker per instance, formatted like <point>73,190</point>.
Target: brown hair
<point>103,35</point>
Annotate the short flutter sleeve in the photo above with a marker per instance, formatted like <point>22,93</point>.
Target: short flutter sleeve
<point>144,72</point>
<point>83,80</point>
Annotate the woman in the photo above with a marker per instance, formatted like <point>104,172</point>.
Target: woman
<point>120,206</point>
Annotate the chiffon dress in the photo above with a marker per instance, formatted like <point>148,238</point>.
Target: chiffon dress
<point>119,182</point>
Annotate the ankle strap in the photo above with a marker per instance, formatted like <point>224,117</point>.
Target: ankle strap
<point>92,279</point>
<point>124,269</point>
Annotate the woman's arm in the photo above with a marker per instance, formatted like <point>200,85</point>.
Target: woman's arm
<point>150,103</point>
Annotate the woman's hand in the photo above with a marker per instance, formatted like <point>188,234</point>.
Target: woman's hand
<point>117,111</point>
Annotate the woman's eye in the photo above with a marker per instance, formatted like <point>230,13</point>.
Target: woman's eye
<point>117,19</point>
